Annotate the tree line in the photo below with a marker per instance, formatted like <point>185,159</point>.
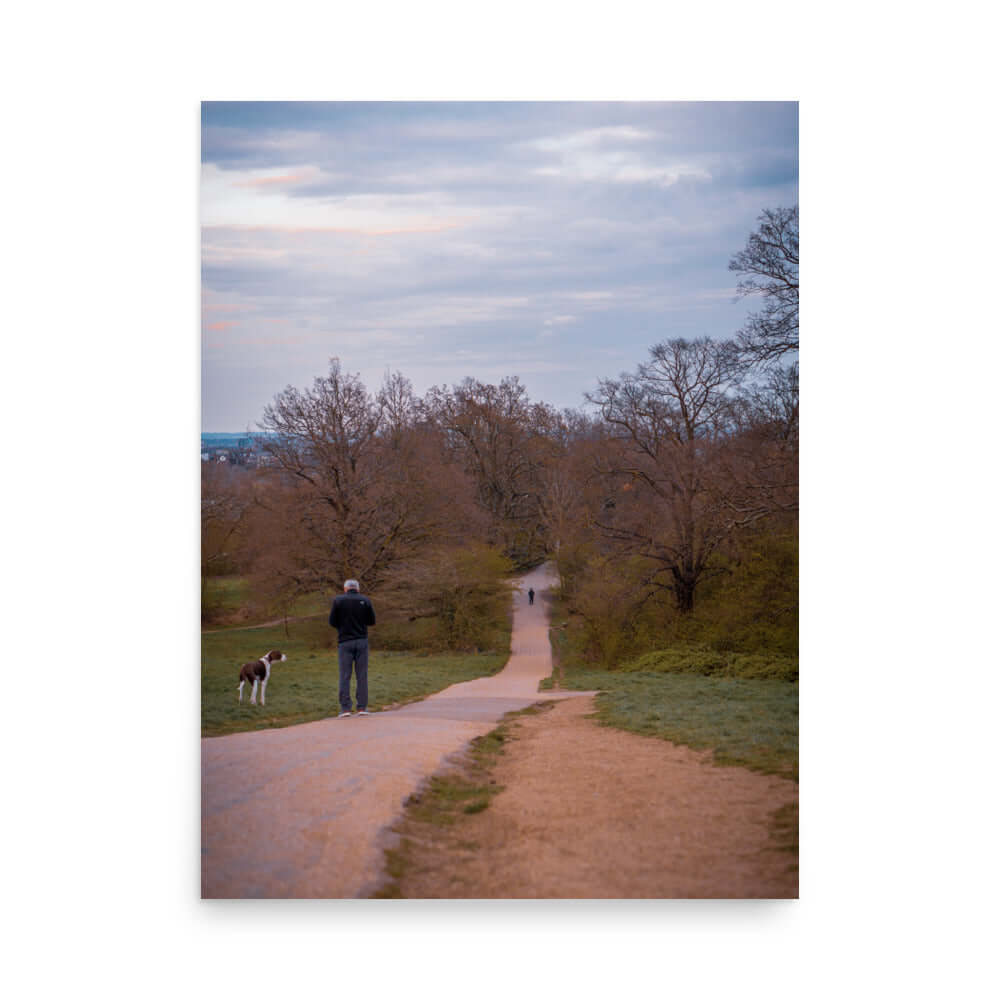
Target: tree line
<point>675,483</point>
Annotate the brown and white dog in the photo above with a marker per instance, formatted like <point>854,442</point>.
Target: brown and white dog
<point>259,671</point>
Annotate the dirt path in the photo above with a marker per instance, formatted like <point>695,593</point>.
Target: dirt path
<point>593,812</point>
<point>300,812</point>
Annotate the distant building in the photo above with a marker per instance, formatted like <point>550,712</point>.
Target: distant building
<point>247,452</point>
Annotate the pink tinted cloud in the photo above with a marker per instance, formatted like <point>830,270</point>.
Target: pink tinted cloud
<point>282,340</point>
<point>222,324</point>
<point>264,181</point>
<point>438,227</point>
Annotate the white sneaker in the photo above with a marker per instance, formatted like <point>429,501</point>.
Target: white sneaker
<point>363,711</point>
<point>344,715</point>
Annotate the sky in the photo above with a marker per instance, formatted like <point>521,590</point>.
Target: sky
<point>552,241</point>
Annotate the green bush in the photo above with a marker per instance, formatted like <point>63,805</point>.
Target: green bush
<point>449,599</point>
<point>746,603</point>
<point>606,604</point>
<point>692,658</point>
<point>753,604</point>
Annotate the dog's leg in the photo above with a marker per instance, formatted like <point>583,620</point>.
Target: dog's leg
<point>263,688</point>
<point>253,693</point>
<point>241,692</point>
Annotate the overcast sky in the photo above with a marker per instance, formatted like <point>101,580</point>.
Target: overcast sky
<point>555,242</point>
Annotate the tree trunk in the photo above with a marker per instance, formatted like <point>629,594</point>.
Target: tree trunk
<point>683,589</point>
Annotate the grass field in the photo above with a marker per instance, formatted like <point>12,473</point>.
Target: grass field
<point>743,706</point>
<point>304,688</point>
<point>751,723</point>
<point>229,600</point>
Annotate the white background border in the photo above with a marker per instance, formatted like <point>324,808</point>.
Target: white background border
<point>101,741</point>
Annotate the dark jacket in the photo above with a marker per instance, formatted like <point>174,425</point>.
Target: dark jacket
<point>351,615</point>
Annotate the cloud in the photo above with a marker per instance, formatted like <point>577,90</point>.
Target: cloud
<point>556,239</point>
<point>267,180</point>
<point>589,296</point>
<point>620,167</point>
<point>609,154</point>
<point>249,200</point>
<point>589,138</point>
<point>236,145</point>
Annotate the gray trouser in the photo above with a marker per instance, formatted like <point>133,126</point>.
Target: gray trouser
<point>353,653</point>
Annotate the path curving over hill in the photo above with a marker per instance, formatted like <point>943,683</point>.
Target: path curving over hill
<point>300,812</point>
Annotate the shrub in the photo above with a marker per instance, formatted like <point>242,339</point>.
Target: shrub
<point>693,658</point>
<point>607,603</point>
<point>455,599</point>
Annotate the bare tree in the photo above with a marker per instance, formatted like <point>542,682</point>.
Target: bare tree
<point>352,511</point>
<point>668,423</point>
<point>770,265</point>
<point>761,464</point>
<point>226,502</point>
<point>400,406</point>
<point>772,407</point>
<point>499,435</point>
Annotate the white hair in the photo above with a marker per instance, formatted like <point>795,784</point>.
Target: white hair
<point>351,585</point>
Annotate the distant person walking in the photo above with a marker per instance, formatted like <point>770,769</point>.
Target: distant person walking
<point>531,595</point>
<point>351,615</point>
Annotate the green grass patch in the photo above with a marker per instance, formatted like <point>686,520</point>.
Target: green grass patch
<point>744,722</point>
<point>304,688</point>
<point>741,705</point>
<point>445,796</point>
<point>227,593</point>
<point>697,658</point>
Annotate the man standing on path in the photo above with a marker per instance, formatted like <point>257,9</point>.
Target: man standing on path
<point>531,595</point>
<point>351,615</point>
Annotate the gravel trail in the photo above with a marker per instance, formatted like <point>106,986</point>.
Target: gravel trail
<point>301,812</point>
